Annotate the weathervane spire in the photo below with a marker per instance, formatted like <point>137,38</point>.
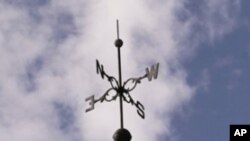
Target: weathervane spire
<point>122,90</point>
<point>118,44</point>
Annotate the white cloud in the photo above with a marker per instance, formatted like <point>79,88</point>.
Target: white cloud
<point>49,56</point>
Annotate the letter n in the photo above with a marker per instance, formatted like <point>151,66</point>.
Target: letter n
<point>99,68</point>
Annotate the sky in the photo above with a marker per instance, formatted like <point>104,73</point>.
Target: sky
<point>48,55</point>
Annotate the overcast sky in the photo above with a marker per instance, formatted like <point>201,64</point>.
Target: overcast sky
<point>48,50</point>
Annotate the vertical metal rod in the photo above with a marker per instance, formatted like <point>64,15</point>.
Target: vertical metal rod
<point>117,28</point>
<point>120,85</point>
<point>120,76</point>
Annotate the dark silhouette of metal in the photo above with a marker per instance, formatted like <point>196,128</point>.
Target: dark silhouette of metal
<point>118,44</point>
<point>121,90</point>
<point>122,135</point>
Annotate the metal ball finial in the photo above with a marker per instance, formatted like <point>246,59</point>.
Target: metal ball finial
<point>118,43</point>
<point>122,134</point>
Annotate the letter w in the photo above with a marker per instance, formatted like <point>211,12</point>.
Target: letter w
<point>99,68</point>
<point>153,72</point>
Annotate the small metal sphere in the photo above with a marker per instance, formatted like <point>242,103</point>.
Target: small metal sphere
<point>122,135</point>
<point>118,42</point>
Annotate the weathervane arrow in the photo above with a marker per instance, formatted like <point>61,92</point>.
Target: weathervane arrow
<point>121,90</point>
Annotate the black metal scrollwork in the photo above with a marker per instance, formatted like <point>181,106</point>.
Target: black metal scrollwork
<point>138,105</point>
<point>133,82</point>
<point>129,85</point>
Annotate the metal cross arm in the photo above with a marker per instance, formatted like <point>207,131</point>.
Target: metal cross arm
<point>105,97</point>
<point>153,73</point>
<point>100,69</point>
<point>125,89</point>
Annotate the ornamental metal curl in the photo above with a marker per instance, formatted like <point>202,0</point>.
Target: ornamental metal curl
<point>133,80</point>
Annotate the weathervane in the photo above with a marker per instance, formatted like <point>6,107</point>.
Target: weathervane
<point>122,90</point>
